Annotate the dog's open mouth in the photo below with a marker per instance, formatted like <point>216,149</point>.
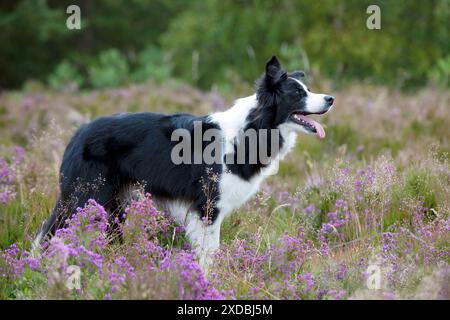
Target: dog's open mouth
<point>308,124</point>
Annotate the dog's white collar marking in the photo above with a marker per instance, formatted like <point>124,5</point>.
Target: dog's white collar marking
<point>233,120</point>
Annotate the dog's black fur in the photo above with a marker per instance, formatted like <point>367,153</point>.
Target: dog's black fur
<point>111,153</point>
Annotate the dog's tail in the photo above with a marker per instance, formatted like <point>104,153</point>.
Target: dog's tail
<point>49,227</point>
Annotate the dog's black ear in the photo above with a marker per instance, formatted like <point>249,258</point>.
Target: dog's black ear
<point>272,66</point>
<point>274,72</point>
<point>296,75</point>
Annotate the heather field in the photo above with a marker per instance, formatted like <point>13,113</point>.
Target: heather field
<point>362,214</point>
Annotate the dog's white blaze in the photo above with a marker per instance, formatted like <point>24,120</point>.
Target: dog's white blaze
<point>315,102</point>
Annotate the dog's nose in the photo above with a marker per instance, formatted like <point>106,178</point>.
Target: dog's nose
<point>329,100</point>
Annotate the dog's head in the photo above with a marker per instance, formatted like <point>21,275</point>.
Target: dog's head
<point>290,101</point>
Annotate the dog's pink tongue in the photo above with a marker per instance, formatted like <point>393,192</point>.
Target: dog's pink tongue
<point>319,129</point>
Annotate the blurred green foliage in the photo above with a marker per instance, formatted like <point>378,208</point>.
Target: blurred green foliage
<point>110,70</point>
<point>327,36</point>
<point>440,73</point>
<point>152,63</point>
<point>35,40</point>
<point>213,42</point>
<point>65,74</point>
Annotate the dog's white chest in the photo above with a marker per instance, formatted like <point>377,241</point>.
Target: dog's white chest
<point>235,191</point>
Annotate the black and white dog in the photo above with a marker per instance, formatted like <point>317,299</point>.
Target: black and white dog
<point>125,149</point>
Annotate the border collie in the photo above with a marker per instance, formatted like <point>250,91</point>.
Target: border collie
<point>126,149</point>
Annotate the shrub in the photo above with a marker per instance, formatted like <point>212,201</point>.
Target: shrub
<point>65,75</point>
<point>440,73</point>
<point>151,64</point>
<point>110,69</point>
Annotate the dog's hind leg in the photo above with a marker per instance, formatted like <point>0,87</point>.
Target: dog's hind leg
<point>53,223</point>
<point>115,211</point>
<point>117,206</point>
<point>66,205</point>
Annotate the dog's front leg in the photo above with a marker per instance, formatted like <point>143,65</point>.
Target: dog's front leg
<point>204,237</point>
